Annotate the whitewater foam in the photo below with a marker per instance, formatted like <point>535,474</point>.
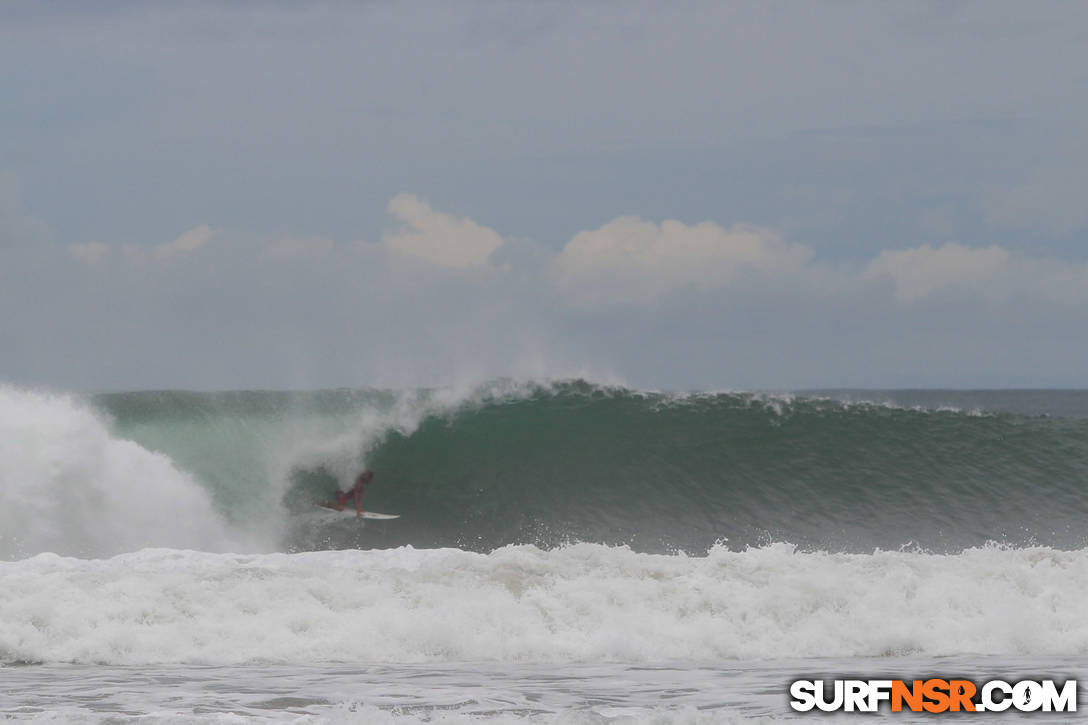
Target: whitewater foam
<point>582,603</point>
<point>68,486</point>
<point>353,713</point>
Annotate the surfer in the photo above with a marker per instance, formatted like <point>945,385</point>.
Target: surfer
<point>355,493</point>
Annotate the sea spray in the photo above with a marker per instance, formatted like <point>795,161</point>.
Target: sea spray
<point>67,485</point>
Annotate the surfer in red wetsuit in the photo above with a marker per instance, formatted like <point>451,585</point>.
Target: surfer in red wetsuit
<point>355,493</point>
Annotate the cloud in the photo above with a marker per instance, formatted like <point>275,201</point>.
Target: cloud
<point>629,259</point>
<point>633,261</point>
<point>922,270</point>
<point>189,242</point>
<point>991,273</point>
<point>731,306</point>
<point>440,238</point>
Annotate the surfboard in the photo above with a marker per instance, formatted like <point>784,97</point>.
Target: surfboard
<point>349,511</point>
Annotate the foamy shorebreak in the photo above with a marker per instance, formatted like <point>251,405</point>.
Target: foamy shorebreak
<point>582,603</point>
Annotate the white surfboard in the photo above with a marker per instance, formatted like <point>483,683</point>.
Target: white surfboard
<point>350,511</point>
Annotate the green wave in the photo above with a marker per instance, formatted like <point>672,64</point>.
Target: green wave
<point>573,461</point>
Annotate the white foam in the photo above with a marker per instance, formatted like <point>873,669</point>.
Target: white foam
<point>359,714</point>
<point>68,486</point>
<point>583,603</point>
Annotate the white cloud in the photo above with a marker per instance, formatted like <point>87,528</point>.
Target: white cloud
<point>440,238</point>
<point>629,259</point>
<point>922,270</point>
<point>187,243</point>
<point>747,309</point>
<point>991,272</point>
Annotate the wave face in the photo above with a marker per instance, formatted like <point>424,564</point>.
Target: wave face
<point>659,473</point>
<point>543,464</point>
<point>582,603</point>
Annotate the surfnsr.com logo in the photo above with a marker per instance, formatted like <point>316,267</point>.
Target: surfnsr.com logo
<point>933,695</point>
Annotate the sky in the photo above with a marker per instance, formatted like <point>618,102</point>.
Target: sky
<point>689,195</point>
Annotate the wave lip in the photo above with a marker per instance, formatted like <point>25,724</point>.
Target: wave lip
<point>585,603</point>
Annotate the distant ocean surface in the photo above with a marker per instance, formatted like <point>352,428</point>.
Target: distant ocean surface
<point>567,552</point>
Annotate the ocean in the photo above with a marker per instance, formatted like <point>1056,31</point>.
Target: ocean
<point>566,552</point>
